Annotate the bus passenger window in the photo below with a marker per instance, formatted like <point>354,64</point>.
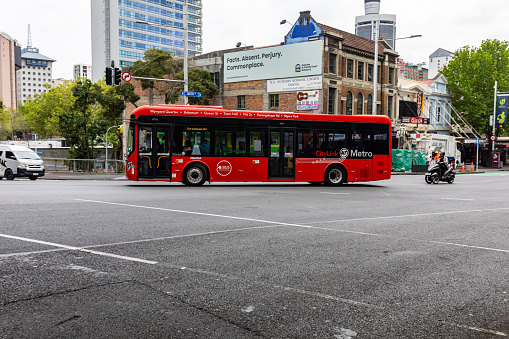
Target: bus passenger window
<point>230,142</point>
<point>256,143</point>
<point>145,140</point>
<point>305,143</point>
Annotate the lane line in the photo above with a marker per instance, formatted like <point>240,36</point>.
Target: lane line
<point>111,255</point>
<point>458,199</point>
<point>482,330</point>
<point>335,193</point>
<point>325,228</point>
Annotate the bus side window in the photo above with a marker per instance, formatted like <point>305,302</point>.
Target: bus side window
<point>230,143</point>
<point>305,143</point>
<point>256,143</point>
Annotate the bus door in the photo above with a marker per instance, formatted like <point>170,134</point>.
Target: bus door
<point>282,154</point>
<point>153,151</point>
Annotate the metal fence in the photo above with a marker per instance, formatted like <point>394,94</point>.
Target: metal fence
<point>83,165</point>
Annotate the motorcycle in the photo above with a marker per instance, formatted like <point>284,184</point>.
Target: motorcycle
<point>433,176</point>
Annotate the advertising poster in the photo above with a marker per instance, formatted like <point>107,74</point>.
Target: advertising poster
<point>284,61</point>
<point>307,101</point>
<point>501,114</point>
<point>295,84</point>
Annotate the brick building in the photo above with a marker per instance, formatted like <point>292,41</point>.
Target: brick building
<point>319,70</point>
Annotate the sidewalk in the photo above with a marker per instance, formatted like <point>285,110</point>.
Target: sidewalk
<point>458,171</point>
<point>82,176</point>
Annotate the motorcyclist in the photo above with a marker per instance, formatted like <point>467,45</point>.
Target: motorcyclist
<point>443,163</point>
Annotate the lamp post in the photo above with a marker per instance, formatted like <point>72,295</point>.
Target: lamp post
<point>106,156</point>
<point>375,68</point>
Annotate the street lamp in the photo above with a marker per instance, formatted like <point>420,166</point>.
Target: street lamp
<point>285,22</point>
<point>186,78</point>
<point>375,70</point>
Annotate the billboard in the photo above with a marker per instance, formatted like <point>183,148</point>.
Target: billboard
<point>284,61</point>
<point>307,100</point>
<point>501,112</point>
<point>295,84</point>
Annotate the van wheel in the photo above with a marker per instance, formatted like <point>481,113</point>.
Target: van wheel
<point>8,174</point>
<point>195,175</point>
<point>32,178</point>
<point>335,175</point>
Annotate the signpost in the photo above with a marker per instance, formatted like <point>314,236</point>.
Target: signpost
<point>191,94</point>
<point>126,76</point>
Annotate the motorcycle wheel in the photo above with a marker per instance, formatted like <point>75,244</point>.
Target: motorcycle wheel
<point>427,178</point>
<point>436,179</point>
<point>450,181</point>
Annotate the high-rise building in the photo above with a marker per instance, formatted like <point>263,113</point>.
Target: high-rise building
<point>365,25</point>
<point>122,30</point>
<point>35,72</point>
<point>437,60</point>
<point>10,61</point>
<point>82,71</point>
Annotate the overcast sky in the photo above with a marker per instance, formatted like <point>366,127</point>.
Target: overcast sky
<point>61,28</point>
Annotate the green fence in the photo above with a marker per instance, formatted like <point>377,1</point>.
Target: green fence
<point>402,159</point>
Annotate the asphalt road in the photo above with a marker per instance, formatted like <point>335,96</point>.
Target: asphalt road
<point>388,259</point>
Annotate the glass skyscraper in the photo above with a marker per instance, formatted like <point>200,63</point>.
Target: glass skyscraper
<point>119,33</point>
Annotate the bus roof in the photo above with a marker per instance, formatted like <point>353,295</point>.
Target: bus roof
<point>219,112</point>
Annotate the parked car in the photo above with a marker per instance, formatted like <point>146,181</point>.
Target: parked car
<point>20,161</point>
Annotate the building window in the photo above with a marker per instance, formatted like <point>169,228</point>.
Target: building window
<point>370,73</point>
<point>332,62</point>
<point>331,109</point>
<point>390,101</point>
<point>360,70</point>
<point>216,78</point>
<point>349,69</point>
<point>391,75</point>
<point>360,103</point>
<point>273,101</point>
<point>349,103</point>
<point>369,109</point>
<point>439,111</point>
<point>241,102</point>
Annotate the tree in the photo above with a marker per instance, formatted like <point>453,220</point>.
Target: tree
<point>471,77</point>
<point>43,111</point>
<point>156,64</point>
<point>199,81</point>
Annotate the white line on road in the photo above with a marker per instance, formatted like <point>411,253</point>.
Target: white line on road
<point>458,199</point>
<point>111,255</point>
<point>334,193</point>
<point>324,228</point>
<point>482,330</point>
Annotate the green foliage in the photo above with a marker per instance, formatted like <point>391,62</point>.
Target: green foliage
<point>11,122</point>
<point>471,77</point>
<point>78,111</point>
<point>126,90</point>
<point>199,81</point>
<point>156,63</point>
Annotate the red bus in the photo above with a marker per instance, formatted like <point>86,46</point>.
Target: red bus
<point>195,144</point>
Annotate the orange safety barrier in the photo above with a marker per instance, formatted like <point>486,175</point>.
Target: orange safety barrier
<point>463,168</point>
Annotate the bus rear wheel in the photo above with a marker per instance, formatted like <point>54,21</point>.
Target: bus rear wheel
<point>335,175</point>
<point>195,175</point>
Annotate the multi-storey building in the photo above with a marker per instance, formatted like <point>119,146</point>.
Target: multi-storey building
<point>36,70</point>
<point>124,29</point>
<point>82,71</point>
<point>365,25</point>
<point>412,71</point>
<point>10,61</point>
<point>437,60</point>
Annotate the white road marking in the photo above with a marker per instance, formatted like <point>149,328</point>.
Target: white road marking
<point>326,228</point>
<point>458,199</point>
<point>334,193</point>
<point>111,255</point>
<point>478,329</point>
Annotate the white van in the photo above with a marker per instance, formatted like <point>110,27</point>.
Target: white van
<point>20,161</point>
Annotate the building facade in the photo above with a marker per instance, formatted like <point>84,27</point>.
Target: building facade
<point>10,62</point>
<point>365,26</point>
<point>412,71</point>
<point>82,71</point>
<point>437,60</point>
<point>36,71</point>
<point>125,29</point>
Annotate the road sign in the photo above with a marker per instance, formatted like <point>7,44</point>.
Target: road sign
<point>493,138</point>
<point>191,94</point>
<point>126,76</point>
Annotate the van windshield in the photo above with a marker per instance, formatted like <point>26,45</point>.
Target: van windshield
<point>27,155</point>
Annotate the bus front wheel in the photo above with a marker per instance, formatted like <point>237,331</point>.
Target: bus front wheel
<point>195,175</point>
<point>335,175</point>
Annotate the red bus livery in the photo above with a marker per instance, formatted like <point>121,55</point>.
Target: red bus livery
<point>195,144</point>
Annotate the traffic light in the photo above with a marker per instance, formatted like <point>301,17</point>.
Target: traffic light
<point>108,76</point>
<point>118,76</point>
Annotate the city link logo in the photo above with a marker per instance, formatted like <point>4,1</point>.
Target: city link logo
<point>344,153</point>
